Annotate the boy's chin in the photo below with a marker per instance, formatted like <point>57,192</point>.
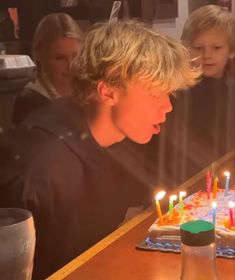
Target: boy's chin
<point>142,140</point>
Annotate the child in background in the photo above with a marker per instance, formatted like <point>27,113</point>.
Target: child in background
<point>57,40</point>
<point>204,116</point>
<point>209,33</point>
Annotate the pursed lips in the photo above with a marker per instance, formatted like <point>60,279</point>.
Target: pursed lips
<point>157,125</point>
<point>156,128</point>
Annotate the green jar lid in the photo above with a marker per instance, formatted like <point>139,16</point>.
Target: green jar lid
<point>197,233</point>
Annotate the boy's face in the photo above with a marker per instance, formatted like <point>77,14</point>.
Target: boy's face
<point>137,114</point>
<point>212,48</point>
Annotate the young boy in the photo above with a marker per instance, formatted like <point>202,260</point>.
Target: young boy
<point>59,164</point>
<point>205,115</point>
<point>209,34</point>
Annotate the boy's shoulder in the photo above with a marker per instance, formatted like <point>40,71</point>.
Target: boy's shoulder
<point>57,128</point>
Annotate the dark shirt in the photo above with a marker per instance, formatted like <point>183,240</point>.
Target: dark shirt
<point>200,129</point>
<point>77,191</point>
<point>25,104</point>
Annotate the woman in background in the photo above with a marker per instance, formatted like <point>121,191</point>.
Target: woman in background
<point>57,40</point>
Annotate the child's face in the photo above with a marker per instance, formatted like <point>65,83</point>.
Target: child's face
<point>212,48</point>
<point>138,113</point>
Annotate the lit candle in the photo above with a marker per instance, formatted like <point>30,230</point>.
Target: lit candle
<point>214,205</point>
<point>171,200</point>
<point>208,184</point>
<point>158,197</point>
<point>215,187</point>
<point>231,205</point>
<point>227,175</point>
<point>181,202</point>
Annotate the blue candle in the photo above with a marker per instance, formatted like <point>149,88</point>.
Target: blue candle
<point>226,191</point>
<point>214,205</point>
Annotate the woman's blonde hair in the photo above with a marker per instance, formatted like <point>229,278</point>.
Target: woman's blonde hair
<point>121,51</point>
<point>52,27</point>
<point>206,17</point>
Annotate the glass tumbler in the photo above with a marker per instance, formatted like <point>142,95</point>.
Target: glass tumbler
<point>17,244</point>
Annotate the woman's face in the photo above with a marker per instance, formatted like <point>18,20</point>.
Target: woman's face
<point>212,48</point>
<point>58,59</point>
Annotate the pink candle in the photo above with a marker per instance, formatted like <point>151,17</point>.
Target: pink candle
<point>231,205</point>
<point>208,184</point>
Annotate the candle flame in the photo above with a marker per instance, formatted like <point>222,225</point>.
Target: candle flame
<point>227,173</point>
<point>231,204</point>
<point>173,197</point>
<point>182,193</point>
<point>160,195</point>
<point>214,204</point>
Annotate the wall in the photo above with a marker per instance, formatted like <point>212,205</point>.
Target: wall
<point>173,27</point>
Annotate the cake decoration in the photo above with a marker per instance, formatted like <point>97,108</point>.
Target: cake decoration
<point>164,233</point>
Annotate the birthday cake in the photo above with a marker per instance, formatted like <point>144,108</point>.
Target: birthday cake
<point>164,233</point>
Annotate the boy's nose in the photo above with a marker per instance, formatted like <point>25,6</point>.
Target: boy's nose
<point>168,106</point>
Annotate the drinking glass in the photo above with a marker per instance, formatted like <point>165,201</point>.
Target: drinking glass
<point>17,244</point>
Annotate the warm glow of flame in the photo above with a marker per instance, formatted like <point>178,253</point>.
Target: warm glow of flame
<point>231,204</point>
<point>227,173</point>
<point>182,194</point>
<point>160,195</point>
<point>173,197</point>
<point>214,204</point>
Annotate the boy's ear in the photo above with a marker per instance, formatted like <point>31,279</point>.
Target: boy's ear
<point>107,93</point>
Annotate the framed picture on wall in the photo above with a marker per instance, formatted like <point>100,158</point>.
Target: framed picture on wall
<point>195,4</point>
<point>226,4</point>
<point>166,9</point>
<point>68,3</point>
<point>149,10</point>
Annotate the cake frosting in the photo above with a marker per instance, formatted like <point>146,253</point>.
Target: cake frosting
<point>197,207</point>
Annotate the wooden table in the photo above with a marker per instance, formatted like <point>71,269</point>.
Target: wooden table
<point>116,258</point>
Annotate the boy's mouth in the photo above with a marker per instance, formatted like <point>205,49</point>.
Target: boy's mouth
<point>156,128</point>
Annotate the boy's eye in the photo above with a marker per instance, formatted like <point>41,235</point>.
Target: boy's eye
<point>217,47</point>
<point>58,57</point>
<point>197,48</point>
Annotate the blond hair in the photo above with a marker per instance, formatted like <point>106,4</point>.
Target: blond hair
<point>207,17</point>
<point>121,51</point>
<point>52,27</point>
